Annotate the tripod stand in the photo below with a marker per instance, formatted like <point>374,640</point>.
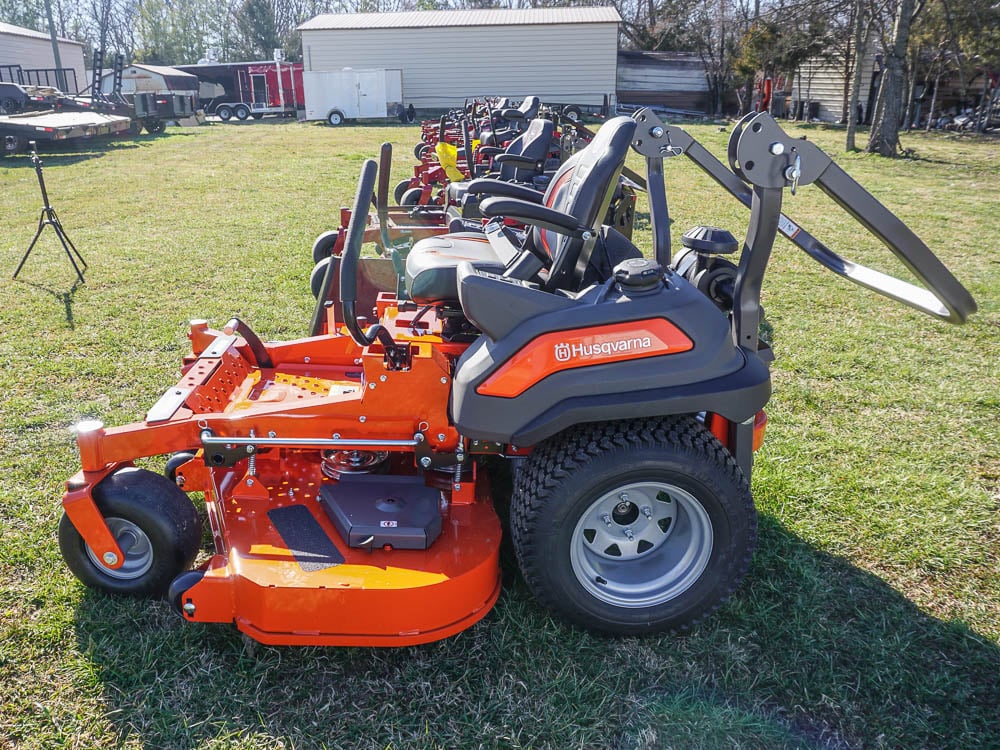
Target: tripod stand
<point>49,218</point>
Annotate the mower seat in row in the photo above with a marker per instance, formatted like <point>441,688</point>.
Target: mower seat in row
<point>512,122</point>
<point>430,266</point>
<point>518,162</point>
<point>579,194</point>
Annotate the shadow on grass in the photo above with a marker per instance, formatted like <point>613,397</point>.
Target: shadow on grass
<point>813,652</point>
<point>64,298</point>
<point>62,153</point>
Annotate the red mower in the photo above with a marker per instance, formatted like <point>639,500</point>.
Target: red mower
<point>346,476</point>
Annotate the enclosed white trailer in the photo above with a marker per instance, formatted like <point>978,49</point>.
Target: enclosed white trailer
<point>338,95</point>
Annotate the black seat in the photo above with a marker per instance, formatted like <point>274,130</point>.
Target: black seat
<point>507,123</point>
<point>576,201</point>
<point>522,160</point>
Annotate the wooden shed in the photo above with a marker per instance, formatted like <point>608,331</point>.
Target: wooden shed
<point>563,55</point>
<point>672,80</point>
<point>32,50</point>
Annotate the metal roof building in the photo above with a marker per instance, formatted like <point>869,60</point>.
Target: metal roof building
<point>564,55</point>
<point>33,50</point>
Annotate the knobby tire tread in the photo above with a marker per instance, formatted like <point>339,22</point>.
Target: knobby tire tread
<point>569,451</point>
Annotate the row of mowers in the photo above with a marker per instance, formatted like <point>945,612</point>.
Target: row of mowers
<point>349,476</point>
<point>463,157</point>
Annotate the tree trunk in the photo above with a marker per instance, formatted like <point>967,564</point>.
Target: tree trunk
<point>934,98</point>
<point>985,108</point>
<point>884,138</point>
<point>860,45</point>
<point>911,89</point>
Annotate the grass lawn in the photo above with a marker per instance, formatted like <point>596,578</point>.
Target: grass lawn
<point>871,614</point>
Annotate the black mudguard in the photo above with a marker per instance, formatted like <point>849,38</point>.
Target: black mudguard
<point>712,375</point>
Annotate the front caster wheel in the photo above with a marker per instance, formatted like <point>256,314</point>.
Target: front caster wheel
<point>324,245</point>
<point>633,527</point>
<point>156,526</point>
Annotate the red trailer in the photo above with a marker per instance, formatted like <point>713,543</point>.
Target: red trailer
<point>252,89</point>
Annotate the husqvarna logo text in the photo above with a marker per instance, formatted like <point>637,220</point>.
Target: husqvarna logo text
<point>565,352</point>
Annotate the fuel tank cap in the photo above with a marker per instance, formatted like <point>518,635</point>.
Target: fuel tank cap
<point>638,274</point>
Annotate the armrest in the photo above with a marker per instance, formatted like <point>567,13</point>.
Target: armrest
<point>538,165</point>
<point>506,189</point>
<point>490,150</point>
<point>534,214</point>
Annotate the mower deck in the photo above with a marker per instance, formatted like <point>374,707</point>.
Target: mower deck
<point>285,575</point>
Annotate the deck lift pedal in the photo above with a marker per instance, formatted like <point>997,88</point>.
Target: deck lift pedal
<point>343,474</point>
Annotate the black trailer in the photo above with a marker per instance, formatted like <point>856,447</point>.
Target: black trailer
<point>158,93</point>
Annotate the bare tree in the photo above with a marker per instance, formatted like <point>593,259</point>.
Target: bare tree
<point>884,138</point>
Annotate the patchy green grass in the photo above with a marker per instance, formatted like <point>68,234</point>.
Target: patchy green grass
<point>871,615</point>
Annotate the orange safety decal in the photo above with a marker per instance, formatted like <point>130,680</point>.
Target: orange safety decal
<point>584,347</point>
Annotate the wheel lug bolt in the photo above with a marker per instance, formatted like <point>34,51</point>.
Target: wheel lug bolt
<point>607,519</point>
<point>629,535</point>
<point>647,511</point>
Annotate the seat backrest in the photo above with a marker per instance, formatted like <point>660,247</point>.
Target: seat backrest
<point>583,188</point>
<point>534,143</point>
<point>529,107</point>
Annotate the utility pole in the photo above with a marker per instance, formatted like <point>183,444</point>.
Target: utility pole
<point>60,75</point>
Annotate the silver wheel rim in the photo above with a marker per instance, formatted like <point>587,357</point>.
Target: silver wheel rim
<point>134,544</point>
<point>641,544</point>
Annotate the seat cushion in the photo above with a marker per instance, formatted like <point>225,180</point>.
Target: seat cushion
<point>431,264</point>
<point>456,191</point>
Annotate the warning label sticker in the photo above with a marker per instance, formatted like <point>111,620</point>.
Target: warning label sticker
<point>788,227</point>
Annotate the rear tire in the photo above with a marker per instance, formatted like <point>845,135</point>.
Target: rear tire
<point>154,126</point>
<point>225,113</point>
<point>156,526</point>
<point>241,111</point>
<point>420,149</point>
<point>335,118</point>
<point>633,527</point>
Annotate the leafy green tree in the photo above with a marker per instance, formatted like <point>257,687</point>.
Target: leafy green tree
<point>256,33</point>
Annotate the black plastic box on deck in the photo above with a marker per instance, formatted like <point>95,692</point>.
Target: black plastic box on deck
<point>375,510</point>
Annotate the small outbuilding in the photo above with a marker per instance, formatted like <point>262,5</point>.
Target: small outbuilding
<point>669,80</point>
<point>32,51</point>
<point>562,55</point>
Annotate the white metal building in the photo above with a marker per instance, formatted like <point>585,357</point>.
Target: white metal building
<point>826,84</point>
<point>33,49</point>
<point>563,55</point>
